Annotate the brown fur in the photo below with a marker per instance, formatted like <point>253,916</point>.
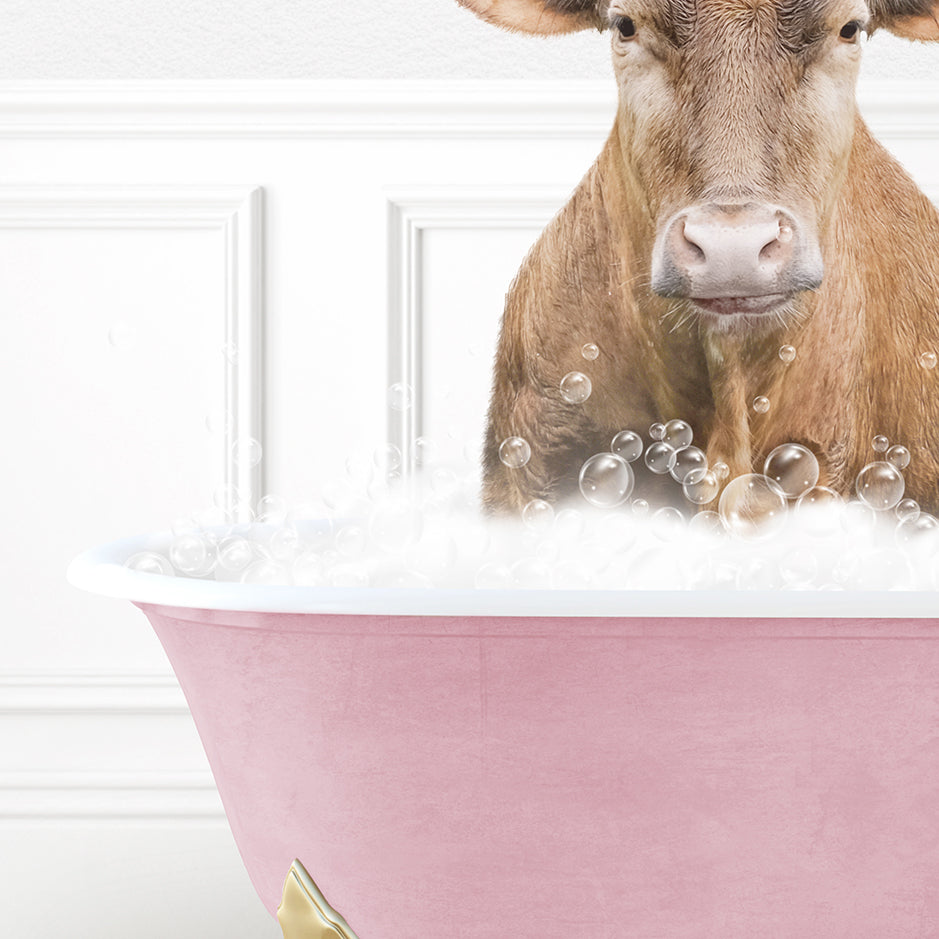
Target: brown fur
<point>730,132</point>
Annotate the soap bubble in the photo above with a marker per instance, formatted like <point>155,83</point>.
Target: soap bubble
<point>657,431</point>
<point>400,396</point>
<point>149,562</point>
<point>752,507</point>
<point>493,576</point>
<point>348,576</point>
<point>606,480</point>
<point>882,569</point>
<point>880,443</point>
<point>444,483</point>
<point>706,523</point>
<point>640,507</point>
<point>678,434</point>
<point>425,451</point>
<point>761,404</point>
<point>272,509</point>
<point>265,571</point>
<point>857,518</point>
<point>246,451</point>
<point>701,486</point>
<point>628,445</point>
<point>880,485</point>
<point>907,508</point>
<point>569,525</point>
<point>531,574</point>
<point>928,360</point>
<point>189,553</point>
<point>514,452</point>
<point>538,515</point>
<point>395,524</point>
<point>798,566</point>
<point>899,456</point>
<point>387,459</point>
<point>721,470</point>
<point>575,387</point>
<point>668,523</point>
<point>660,458</point>
<point>759,574</point>
<point>573,574</point>
<point>918,534</point>
<point>688,461</point>
<point>227,496</point>
<point>350,541</point>
<point>235,553</point>
<point>787,353</point>
<point>616,533</point>
<point>590,350</point>
<point>308,570</point>
<point>793,468</point>
<point>819,509</point>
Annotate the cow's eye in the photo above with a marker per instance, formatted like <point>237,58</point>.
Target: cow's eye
<point>625,27</point>
<point>850,31</point>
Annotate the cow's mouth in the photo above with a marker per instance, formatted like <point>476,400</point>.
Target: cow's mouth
<point>751,306</point>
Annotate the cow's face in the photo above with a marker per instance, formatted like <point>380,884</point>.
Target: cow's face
<point>736,119</point>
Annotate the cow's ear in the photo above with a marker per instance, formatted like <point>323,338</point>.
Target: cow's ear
<point>911,19</point>
<point>543,17</point>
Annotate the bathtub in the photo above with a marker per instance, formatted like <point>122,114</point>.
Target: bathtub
<point>478,764</point>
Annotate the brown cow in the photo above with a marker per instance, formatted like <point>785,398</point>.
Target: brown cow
<point>740,204</point>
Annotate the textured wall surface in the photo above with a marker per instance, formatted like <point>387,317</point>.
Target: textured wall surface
<point>410,39</point>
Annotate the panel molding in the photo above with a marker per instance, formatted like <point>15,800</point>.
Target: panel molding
<point>236,212</point>
<point>514,109</point>
<point>411,213</point>
<point>96,700</point>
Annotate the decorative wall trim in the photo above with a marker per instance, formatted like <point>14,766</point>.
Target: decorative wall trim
<point>237,213</point>
<point>372,109</point>
<point>126,794</point>
<point>410,214</point>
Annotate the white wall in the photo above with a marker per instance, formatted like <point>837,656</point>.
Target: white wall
<point>288,39</point>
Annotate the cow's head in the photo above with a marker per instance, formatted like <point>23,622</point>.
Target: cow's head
<point>736,119</point>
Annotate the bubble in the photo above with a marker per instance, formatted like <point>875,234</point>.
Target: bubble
<point>759,574</point>
<point>907,508</point>
<point>122,336</point>
<point>394,525</point>
<point>230,351</point>
<point>227,496</point>
<point>387,459</point>
<point>793,468</point>
<point>531,574</point>
<point>918,534</point>
<point>721,470</point>
<point>819,509</point>
<point>444,483</point>
<point>640,508</point>
<point>189,553</point>
<point>235,554</point>
<point>425,451</point>
<point>284,544</point>
<point>798,566</point>
<point>668,523</point>
<point>616,532</point>
<point>606,480</point>
<point>689,461</point>
<point>573,574</point>
<point>706,523</point>
<point>308,570</point>
<point>752,507</point>
<point>348,576</point>
<point>265,571</point>
<point>514,452</point>
<point>400,396</point>
<point>246,451</point>
<point>880,485</point>
<point>678,434</point>
<point>761,404</point>
<point>149,562</point>
<point>272,510</point>
<point>858,518</point>
<point>883,569</point>
<point>880,443</point>
<point>701,487</point>
<point>350,541</point>
<point>628,445</point>
<point>928,360</point>
<point>569,525</point>
<point>660,458</point>
<point>590,350</point>
<point>657,431</point>
<point>575,387</point>
<point>493,576</point>
<point>787,353</point>
<point>538,515</point>
<point>899,456</point>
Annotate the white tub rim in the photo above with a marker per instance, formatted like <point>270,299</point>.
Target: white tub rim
<point>101,571</point>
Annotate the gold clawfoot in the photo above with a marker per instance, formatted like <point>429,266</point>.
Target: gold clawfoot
<point>304,913</point>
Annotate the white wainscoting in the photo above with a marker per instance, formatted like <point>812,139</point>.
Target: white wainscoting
<point>282,253</point>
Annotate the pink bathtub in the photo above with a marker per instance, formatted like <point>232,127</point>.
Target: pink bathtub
<point>472,765</point>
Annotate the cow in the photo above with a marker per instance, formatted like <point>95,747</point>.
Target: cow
<point>740,205</point>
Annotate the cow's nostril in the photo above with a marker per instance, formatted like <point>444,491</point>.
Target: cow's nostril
<point>694,250</point>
